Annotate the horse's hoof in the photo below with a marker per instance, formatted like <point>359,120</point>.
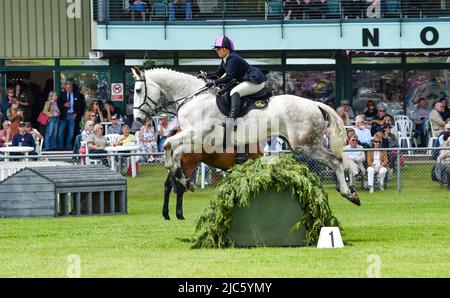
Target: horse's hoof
<point>191,187</point>
<point>180,216</point>
<point>166,215</point>
<point>355,199</point>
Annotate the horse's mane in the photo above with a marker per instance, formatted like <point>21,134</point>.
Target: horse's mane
<point>159,70</point>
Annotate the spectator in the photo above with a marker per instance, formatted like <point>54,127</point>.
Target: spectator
<point>344,116</point>
<point>348,109</point>
<point>6,102</point>
<point>436,118</point>
<point>25,102</point>
<point>420,117</point>
<point>444,134</point>
<point>126,138</point>
<point>446,113</point>
<point>292,9</point>
<point>370,111</point>
<point>180,5</point>
<point>97,142</point>
<point>52,111</point>
<point>88,130</point>
<point>15,115</point>
<point>147,139</point>
<point>139,6</point>
<point>379,119</point>
<point>115,127</point>
<point>163,131</point>
<point>355,157</point>
<point>6,134</point>
<point>34,132</point>
<point>379,134</point>
<point>362,132</point>
<point>350,133</point>
<point>94,112</point>
<point>112,110</point>
<point>377,163</point>
<point>174,126</point>
<point>22,138</point>
<point>71,106</point>
<point>273,146</point>
<point>443,163</point>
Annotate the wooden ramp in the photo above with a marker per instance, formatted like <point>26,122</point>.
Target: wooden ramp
<point>62,191</point>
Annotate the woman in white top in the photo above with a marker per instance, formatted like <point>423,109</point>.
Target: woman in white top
<point>147,139</point>
<point>377,163</point>
<point>163,131</point>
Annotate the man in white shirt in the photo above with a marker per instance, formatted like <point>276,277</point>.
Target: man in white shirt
<point>362,132</point>
<point>355,157</point>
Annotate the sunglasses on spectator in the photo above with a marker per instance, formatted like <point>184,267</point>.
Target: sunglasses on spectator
<point>113,118</point>
<point>354,139</point>
<point>376,141</point>
<point>92,115</point>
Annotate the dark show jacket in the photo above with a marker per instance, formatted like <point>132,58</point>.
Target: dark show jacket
<point>77,104</point>
<point>237,68</point>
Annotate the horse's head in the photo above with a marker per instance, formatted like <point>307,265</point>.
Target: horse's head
<point>146,95</point>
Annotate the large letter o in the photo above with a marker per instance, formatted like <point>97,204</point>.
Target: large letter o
<point>434,39</point>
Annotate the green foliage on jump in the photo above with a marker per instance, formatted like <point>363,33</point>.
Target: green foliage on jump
<point>255,177</point>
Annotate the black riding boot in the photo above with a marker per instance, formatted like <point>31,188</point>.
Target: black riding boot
<point>235,106</point>
<point>235,110</point>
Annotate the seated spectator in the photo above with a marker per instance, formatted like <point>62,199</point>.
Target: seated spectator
<point>446,113</point>
<point>377,163</point>
<point>34,132</point>
<point>348,109</point>
<point>15,115</point>
<point>88,130</point>
<point>344,116</point>
<point>443,165</point>
<point>138,6</point>
<point>180,5</point>
<point>147,140</point>
<point>355,157</point>
<point>174,126</point>
<point>292,10</point>
<point>436,118</point>
<point>420,117</point>
<point>25,139</point>
<point>115,127</point>
<point>379,119</point>
<point>6,134</point>
<point>370,111</point>
<point>112,110</point>
<point>444,135</point>
<point>362,132</point>
<point>350,133</point>
<point>379,134</point>
<point>94,113</point>
<point>97,142</point>
<point>125,138</point>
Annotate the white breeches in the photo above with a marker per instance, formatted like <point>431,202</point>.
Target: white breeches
<point>247,88</point>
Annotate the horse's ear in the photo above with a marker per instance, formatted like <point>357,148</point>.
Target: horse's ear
<point>136,76</point>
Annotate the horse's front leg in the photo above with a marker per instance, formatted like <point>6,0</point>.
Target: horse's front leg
<point>168,185</point>
<point>170,145</point>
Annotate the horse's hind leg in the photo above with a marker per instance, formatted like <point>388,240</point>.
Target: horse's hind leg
<point>167,190</point>
<point>337,165</point>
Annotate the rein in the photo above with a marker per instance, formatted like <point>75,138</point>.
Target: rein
<point>164,107</point>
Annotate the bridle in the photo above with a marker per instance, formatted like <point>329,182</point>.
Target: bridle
<point>163,107</point>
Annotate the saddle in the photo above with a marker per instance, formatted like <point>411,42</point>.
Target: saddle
<point>259,100</point>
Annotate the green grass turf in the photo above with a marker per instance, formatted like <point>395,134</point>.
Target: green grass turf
<point>410,233</point>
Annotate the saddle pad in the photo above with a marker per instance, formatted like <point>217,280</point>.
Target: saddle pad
<point>259,100</point>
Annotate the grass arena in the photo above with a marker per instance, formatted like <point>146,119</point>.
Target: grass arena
<point>403,234</point>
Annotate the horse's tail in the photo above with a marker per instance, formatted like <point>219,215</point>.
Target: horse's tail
<point>336,128</point>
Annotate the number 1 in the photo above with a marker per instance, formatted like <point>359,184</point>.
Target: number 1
<point>332,239</point>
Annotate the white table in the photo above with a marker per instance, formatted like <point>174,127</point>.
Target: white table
<point>16,149</point>
<point>131,148</point>
<point>9,168</point>
<point>105,126</point>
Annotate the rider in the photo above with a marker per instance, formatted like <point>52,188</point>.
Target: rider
<point>250,79</point>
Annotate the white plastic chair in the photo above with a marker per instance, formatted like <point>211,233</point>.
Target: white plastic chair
<point>112,138</point>
<point>431,136</point>
<point>405,131</point>
<point>400,117</point>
